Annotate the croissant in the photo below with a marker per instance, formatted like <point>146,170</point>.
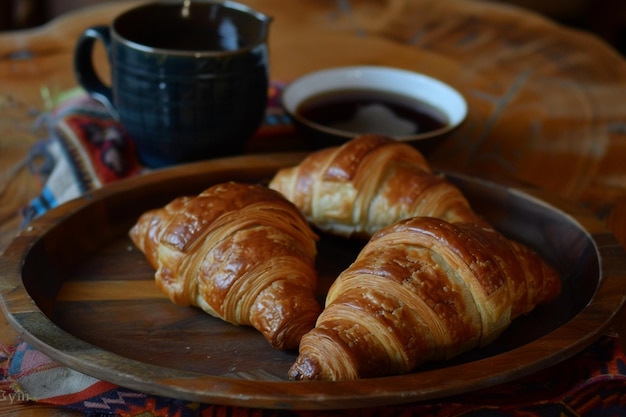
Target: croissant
<point>423,289</point>
<point>240,252</point>
<point>369,182</point>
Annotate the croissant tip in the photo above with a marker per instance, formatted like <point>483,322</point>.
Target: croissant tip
<point>296,376</point>
<point>303,369</point>
<point>285,344</point>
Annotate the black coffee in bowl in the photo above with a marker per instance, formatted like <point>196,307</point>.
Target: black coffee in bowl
<point>370,111</point>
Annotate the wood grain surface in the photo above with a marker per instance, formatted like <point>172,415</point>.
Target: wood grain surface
<point>78,290</point>
<point>546,102</point>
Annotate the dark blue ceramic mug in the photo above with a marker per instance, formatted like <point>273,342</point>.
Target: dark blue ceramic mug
<point>189,79</point>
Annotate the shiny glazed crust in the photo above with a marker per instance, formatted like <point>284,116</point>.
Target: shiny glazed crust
<point>422,289</point>
<point>369,183</point>
<point>240,252</point>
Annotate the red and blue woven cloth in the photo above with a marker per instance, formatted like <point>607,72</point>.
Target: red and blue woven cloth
<point>590,384</point>
<point>86,150</point>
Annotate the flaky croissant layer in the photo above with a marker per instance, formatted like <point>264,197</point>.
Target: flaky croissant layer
<point>240,252</point>
<point>368,183</point>
<point>422,289</point>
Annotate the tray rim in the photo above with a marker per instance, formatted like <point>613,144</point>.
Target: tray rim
<point>37,329</point>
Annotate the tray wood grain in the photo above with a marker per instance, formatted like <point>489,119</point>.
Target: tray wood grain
<point>77,289</point>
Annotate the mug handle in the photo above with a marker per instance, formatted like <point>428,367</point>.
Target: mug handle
<point>84,69</point>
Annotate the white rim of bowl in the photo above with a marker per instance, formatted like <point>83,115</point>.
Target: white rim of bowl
<point>408,83</point>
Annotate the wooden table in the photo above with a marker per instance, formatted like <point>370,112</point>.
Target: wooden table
<point>547,103</point>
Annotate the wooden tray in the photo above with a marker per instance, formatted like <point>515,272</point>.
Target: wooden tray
<point>76,288</point>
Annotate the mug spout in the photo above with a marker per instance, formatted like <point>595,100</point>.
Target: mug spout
<point>262,21</point>
<point>266,26</point>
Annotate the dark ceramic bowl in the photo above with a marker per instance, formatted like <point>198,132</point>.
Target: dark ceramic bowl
<point>334,105</point>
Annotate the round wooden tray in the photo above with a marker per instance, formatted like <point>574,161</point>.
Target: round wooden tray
<point>77,289</point>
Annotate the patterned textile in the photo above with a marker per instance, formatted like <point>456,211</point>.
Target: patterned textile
<point>87,150</point>
<point>592,383</point>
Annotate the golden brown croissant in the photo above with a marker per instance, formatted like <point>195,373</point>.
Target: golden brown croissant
<point>422,289</point>
<point>368,183</point>
<point>240,252</point>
